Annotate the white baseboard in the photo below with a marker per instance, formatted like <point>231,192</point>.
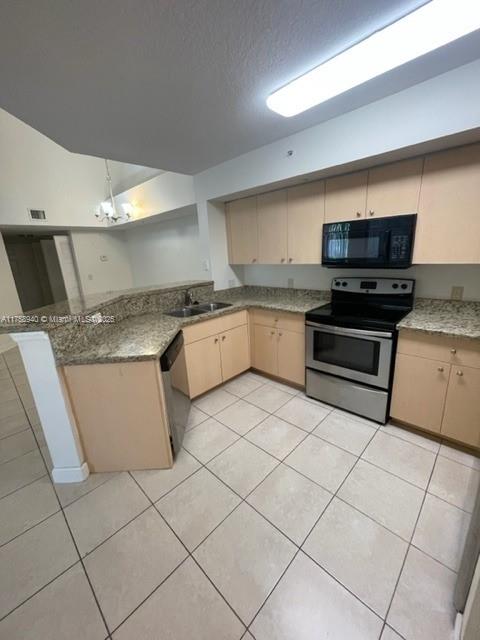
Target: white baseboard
<point>65,475</point>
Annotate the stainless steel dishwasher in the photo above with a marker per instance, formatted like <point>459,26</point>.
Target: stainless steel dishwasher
<point>175,384</point>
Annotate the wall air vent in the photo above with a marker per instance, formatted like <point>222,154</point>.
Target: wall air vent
<point>37,214</point>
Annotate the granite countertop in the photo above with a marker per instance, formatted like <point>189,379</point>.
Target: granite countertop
<point>444,317</point>
<point>146,336</point>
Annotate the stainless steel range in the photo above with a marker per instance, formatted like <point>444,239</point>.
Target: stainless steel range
<point>351,343</point>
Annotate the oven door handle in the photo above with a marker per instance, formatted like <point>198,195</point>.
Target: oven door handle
<point>349,332</point>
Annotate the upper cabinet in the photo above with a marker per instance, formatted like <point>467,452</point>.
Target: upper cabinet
<point>448,224</point>
<point>346,197</point>
<point>305,216</point>
<point>272,227</point>
<point>394,189</point>
<point>241,217</point>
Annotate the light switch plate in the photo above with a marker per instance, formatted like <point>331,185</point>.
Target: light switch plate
<point>457,293</point>
<point>290,283</point>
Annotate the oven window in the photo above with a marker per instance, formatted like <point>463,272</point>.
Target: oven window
<point>357,354</point>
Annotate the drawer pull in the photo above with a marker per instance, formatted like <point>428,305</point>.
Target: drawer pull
<point>272,333</point>
<point>254,259</point>
<point>459,373</point>
<point>290,259</point>
<point>282,260</point>
<point>223,338</point>
<point>280,334</point>
<point>216,340</point>
<point>453,351</point>
<point>371,212</point>
<point>359,214</point>
<point>441,369</point>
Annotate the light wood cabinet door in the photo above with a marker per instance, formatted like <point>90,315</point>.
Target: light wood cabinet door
<point>272,227</point>
<point>394,189</point>
<point>234,351</point>
<point>419,391</point>
<point>265,351</point>
<point>306,214</point>
<point>461,419</point>
<point>291,356</point>
<point>448,224</point>
<point>203,365</point>
<point>242,233</point>
<point>346,197</point>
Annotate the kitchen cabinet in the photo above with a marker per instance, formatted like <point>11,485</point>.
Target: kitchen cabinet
<point>420,390</point>
<point>394,189</point>
<point>216,350</point>
<point>461,420</point>
<point>242,230</point>
<point>305,218</point>
<point>346,197</point>
<point>272,227</point>
<point>448,223</point>
<point>434,388</point>
<point>279,345</point>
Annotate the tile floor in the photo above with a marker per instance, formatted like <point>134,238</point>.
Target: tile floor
<point>281,519</point>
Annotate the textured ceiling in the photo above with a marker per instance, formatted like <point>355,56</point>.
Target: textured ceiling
<point>181,85</point>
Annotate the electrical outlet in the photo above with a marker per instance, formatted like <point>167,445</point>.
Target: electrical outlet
<point>103,258</point>
<point>290,283</point>
<point>457,293</point>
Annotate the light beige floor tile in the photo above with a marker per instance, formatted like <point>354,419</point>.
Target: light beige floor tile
<point>197,506</point>
<point>33,559</point>
<point>422,608</point>
<point>429,443</point>
<point>20,472</point>
<point>441,531</point>
<point>387,499</point>
<point>257,377</point>
<point>361,554</point>
<point>195,417</point>
<point>65,608</point>
<point>32,415</point>
<point>468,459</point>
<point>390,634</point>
<point>13,424</point>
<point>348,434</point>
<point>317,403</point>
<point>186,606</point>
<point>208,439</point>
<point>68,493</point>
<point>284,387</point>
<point>406,460</point>
<point>244,557</point>
<point>241,416</point>
<point>302,413</point>
<point>7,392</point>
<point>307,603</point>
<point>268,398</point>
<point>214,401</point>
<point>276,436</point>
<point>26,507</point>
<point>10,408</point>
<point>157,482</point>
<point>291,502</point>
<point>97,515</point>
<point>248,636</point>
<point>17,445</point>
<point>243,385</point>
<point>131,564</point>
<point>454,483</point>
<point>321,462</point>
<point>242,466</point>
<point>353,416</point>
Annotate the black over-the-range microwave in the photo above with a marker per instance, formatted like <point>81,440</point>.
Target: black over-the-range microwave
<point>385,243</point>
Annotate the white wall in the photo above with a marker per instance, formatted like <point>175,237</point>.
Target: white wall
<point>166,251</point>
<point>9,300</point>
<point>432,281</point>
<point>96,275</point>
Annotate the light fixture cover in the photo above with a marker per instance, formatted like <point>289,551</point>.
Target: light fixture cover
<point>433,25</point>
<point>107,208</point>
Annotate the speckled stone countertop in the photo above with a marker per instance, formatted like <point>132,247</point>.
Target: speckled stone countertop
<point>444,317</point>
<point>146,336</point>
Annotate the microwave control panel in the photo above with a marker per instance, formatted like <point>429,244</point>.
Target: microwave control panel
<point>400,247</point>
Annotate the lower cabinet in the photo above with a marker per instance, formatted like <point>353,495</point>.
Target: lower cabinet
<point>434,390</point>
<point>279,345</point>
<point>234,352</point>
<point>203,365</point>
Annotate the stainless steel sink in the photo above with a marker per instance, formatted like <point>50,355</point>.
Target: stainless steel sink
<point>213,306</point>
<point>185,312</point>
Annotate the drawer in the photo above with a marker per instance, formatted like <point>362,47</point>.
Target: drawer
<point>213,327</point>
<point>280,319</point>
<point>458,351</point>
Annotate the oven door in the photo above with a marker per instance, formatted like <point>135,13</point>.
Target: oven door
<point>356,354</point>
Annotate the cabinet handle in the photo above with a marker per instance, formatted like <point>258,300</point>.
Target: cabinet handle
<point>441,369</point>
<point>280,335</point>
<point>359,215</point>
<point>459,373</point>
<point>371,212</point>
<point>290,259</point>
<point>282,260</point>
<point>272,333</point>
<point>216,340</point>
<point>223,338</point>
<point>453,351</point>
<point>254,259</point>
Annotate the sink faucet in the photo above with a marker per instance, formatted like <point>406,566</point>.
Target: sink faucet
<point>188,300</point>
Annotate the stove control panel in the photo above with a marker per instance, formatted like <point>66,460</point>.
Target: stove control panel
<point>389,286</point>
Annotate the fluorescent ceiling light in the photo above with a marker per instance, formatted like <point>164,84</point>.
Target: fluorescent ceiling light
<point>433,25</point>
